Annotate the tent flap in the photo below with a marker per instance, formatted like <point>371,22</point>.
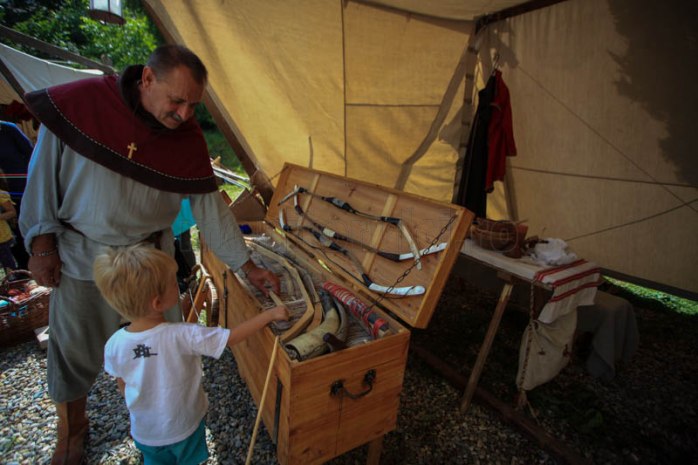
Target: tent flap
<point>376,90</point>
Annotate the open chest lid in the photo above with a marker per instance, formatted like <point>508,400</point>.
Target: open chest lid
<point>424,223</point>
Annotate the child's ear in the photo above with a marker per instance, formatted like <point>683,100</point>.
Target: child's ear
<point>156,303</point>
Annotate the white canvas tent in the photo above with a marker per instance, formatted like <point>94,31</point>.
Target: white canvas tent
<point>385,90</point>
<point>25,73</point>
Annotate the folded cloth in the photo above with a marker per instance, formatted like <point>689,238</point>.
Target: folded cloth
<point>552,251</point>
<point>546,343</point>
<point>573,285</point>
<point>612,321</point>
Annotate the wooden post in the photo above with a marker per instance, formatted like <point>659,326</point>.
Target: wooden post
<point>467,114</point>
<point>7,74</point>
<point>50,49</point>
<point>375,448</point>
<point>487,345</point>
<point>198,302</point>
<point>510,193</point>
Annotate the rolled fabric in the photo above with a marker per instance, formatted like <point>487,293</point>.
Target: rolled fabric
<point>370,319</point>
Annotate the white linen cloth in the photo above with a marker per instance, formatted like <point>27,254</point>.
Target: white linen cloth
<point>546,344</point>
<point>573,285</point>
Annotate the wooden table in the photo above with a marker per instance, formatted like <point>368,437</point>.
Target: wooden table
<point>511,271</point>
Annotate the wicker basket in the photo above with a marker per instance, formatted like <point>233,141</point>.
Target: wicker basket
<point>502,236</point>
<point>18,320</point>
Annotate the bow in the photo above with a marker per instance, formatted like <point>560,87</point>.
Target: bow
<point>341,204</point>
<point>328,243</point>
<point>396,257</point>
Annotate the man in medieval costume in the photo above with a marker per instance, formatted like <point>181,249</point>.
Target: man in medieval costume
<point>114,159</point>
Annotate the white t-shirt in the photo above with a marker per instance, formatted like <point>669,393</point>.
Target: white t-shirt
<point>162,371</point>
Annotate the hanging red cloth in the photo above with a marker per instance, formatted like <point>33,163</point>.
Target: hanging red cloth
<point>16,111</point>
<point>500,134</point>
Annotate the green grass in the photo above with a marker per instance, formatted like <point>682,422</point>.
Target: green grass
<point>196,243</point>
<point>218,147</point>
<point>232,191</point>
<point>655,300</point>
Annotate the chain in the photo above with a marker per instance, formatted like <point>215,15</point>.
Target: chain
<point>414,264</point>
<point>529,340</point>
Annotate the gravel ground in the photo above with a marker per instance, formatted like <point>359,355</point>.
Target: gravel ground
<point>647,414</point>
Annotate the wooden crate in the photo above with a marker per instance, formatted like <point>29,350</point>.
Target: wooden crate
<point>309,423</point>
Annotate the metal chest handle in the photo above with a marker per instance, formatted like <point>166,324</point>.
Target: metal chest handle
<point>337,387</point>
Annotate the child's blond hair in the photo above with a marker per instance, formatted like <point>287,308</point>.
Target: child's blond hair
<point>130,278</point>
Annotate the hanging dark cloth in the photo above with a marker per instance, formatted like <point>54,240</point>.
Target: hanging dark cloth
<point>472,194</point>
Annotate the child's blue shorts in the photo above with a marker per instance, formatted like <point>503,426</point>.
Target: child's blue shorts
<point>191,450</point>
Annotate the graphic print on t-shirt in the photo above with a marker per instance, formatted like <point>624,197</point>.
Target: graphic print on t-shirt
<point>142,350</point>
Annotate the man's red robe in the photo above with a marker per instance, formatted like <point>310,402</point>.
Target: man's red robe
<point>91,117</point>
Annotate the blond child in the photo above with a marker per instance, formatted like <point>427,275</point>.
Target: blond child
<point>157,364</point>
<point>7,213</point>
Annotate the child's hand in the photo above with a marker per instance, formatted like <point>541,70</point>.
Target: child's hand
<point>279,313</point>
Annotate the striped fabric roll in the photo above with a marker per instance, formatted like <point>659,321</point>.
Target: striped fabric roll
<point>373,323</point>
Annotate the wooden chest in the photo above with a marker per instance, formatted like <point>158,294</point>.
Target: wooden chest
<point>311,420</point>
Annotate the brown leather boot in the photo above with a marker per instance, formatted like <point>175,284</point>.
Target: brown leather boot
<point>72,426</point>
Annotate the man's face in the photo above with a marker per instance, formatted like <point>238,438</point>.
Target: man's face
<point>172,98</point>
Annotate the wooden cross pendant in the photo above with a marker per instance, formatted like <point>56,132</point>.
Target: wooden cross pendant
<point>131,148</point>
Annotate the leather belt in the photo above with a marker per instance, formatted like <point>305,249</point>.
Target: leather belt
<point>154,238</point>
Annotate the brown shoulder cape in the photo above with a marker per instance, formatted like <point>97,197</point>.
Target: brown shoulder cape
<point>91,117</point>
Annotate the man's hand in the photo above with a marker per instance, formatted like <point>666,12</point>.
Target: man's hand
<point>46,269</point>
<point>258,276</point>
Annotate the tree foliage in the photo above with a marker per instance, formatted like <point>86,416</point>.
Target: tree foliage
<point>65,24</point>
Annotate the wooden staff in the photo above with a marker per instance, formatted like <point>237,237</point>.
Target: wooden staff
<point>261,401</point>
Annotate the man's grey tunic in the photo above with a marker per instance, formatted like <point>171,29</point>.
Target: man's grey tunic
<point>110,210</point>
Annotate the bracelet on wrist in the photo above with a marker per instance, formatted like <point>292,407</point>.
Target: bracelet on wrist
<point>44,254</point>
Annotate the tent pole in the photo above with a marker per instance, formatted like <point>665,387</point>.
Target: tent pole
<point>467,113</point>
<point>509,192</point>
<point>7,74</point>
<point>258,179</point>
<point>45,47</point>
<point>510,12</point>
